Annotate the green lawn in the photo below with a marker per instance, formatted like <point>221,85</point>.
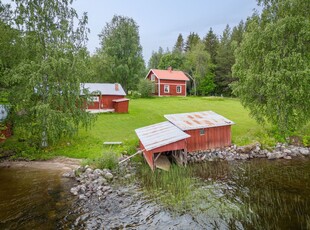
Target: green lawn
<point>142,112</point>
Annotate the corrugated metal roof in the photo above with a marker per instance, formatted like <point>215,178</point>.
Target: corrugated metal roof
<point>198,120</point>
<point>103,88</point>
<point>160,134</point>
<point>170,75</point>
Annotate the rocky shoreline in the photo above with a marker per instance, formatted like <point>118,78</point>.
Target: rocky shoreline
<point>98,183</point>
<point>281,151</point>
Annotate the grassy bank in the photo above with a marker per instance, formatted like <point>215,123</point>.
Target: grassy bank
<point>142,112</point>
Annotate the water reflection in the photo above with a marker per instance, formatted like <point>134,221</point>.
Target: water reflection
<point>32,198</point>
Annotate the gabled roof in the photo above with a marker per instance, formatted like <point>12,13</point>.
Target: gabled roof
<point>198,120</point>
<point>160,134</point>
<point>103,88</point>
<point>169,74</point>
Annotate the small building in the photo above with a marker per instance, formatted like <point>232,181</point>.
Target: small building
<point>160,141</point>
<point>105,97</point>
<point>168,82</point>
<point>183,133</point>
<point>207,129</point>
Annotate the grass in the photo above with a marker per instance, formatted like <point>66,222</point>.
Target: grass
<point>143,112</point>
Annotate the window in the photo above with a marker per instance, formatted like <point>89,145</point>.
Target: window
<point>153,77</point>
<point>179,89</point>
<point>166,88</point>
<point>202,131</point>
<point>93,99</point>
<point>153,88</point>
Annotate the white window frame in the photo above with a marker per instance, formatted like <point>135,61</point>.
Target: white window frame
<point>179,87</point>
<point>166,88</point>
<point>93,99</point>
<point>153,77</point>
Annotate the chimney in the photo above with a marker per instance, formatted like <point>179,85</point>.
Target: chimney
<point>170,69</point>
<point>116,87</point>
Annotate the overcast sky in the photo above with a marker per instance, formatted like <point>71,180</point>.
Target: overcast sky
<point>161,21</point>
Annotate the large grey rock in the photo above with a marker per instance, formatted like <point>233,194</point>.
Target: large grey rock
<point>304,151</point>
<point>108,176</point>
<point>74,190</point>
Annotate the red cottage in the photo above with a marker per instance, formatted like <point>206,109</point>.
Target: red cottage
<point>207,129</point>
<point>160,141</point>
<point>106,97</point>
<point>168,82</point>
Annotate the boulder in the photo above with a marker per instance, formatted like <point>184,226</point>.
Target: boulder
<point>108,176</point>
<point>304,151</point>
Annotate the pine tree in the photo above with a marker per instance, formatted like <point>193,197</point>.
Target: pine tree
<point>179,45</point>
<point>211,43</point>
<point>192,40</point>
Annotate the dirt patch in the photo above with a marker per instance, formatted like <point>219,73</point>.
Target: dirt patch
<point>62,164</point>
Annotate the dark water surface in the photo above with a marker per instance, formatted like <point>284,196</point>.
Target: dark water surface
<point>256,194</point>
<point>33,198</point>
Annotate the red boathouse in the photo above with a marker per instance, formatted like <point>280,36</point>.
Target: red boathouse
<point>207,129</point>
<point>182,133</point>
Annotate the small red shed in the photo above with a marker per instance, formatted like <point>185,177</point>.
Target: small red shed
<point>168,82</point>
<point>207,129</point>
<point>106,97</point>
<point>160,141</point>
<point>121,105</point>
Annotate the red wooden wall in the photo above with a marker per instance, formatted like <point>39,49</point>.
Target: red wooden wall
<point>106,102</point>
<point>149,155</point>
<point>121,106</point>
<point>216,137</point>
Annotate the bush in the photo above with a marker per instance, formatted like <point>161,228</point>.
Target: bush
<point>107,161</point>
<point>145,88</point>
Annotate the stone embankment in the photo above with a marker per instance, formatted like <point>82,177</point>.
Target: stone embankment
<point>249,152</point>
<point>97,182</point>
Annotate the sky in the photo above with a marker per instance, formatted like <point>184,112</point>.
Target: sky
<point>161,21</point>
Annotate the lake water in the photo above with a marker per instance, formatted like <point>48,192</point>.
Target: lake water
<point>256,194</point>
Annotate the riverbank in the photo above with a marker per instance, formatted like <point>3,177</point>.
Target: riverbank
<point>61,164</point>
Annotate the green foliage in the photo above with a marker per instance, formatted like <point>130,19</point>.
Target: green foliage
<point>179,45</point>
<point>192,40</point>
<point>45,84</point>
<point>171,187</point>
<point>145,88</point>
<point>155,59</point>
<point>121,52</point>
<point>197,64</point>
<point>175,60</point>
<point>272,65</point>
<point>133,94</point>
<point>211,43</point>
<point>108,160</point>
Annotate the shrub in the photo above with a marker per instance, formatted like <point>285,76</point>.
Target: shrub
<point>145,88</point>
